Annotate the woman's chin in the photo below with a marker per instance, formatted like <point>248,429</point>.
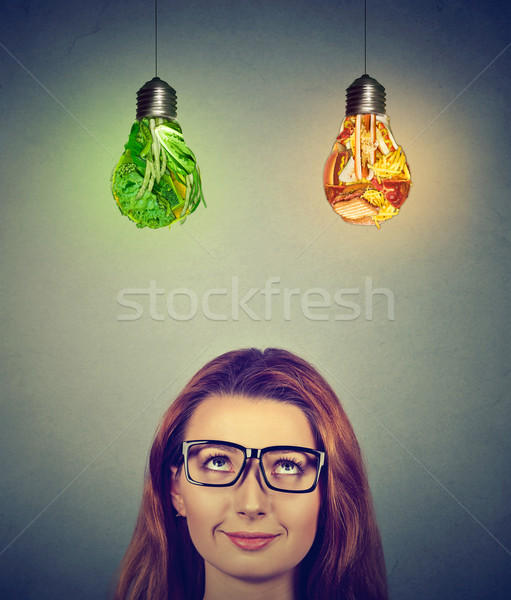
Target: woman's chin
<point>252,571</point>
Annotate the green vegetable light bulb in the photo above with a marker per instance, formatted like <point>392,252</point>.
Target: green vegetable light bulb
<point>157,181</point>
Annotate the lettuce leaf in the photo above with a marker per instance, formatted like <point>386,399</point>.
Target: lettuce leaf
<point>153,209</point>
<point>154,173</point>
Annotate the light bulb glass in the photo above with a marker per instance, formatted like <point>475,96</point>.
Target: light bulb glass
<point>366,176</point>
<point>157,181</point>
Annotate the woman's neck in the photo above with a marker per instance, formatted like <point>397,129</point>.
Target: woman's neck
<point>220,586</point>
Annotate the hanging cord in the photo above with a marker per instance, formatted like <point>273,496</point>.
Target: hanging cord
<point>365,36</point>
<point>156,38</point>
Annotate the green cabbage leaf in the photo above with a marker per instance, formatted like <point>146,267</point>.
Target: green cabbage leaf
<point>157,181</point>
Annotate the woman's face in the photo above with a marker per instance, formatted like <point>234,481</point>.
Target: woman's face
<point>273,531</point>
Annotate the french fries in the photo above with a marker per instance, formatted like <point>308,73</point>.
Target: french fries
<point>391,166</point>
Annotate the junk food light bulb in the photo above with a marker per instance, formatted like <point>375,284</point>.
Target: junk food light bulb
<point>366,177</point>
<point>157,180</point>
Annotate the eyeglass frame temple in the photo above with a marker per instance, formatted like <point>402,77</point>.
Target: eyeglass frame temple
<point>248,453</point>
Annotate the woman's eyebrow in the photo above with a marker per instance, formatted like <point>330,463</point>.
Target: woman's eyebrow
<point>224,447</point>
<point>285,450</point>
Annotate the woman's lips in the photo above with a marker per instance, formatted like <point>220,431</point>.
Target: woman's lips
<point>248,540</point>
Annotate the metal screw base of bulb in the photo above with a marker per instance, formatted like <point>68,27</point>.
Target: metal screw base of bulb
<point>156,98</point>
<point>365,95</point>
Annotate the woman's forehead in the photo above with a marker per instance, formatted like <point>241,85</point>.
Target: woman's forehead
<point>251,422</point>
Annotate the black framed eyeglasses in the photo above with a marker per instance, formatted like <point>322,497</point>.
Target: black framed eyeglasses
<point>215,463</point>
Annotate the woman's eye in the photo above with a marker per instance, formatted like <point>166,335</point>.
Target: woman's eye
<point>218,463</point>
<point>286,467</point>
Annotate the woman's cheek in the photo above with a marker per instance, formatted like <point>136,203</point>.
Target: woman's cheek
<point>205,509</point>
<point>299,515</point>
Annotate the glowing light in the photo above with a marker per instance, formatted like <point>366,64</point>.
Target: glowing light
<point>157,181</point>
<point>366,177</point>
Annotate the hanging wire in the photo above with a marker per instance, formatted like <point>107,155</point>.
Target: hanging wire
<point>365,36</point>
<point>156,38</point>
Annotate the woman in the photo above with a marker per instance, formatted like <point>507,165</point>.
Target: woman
<point>255,489</point>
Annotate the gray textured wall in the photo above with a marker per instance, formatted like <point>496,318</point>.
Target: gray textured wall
<point>260,98</point>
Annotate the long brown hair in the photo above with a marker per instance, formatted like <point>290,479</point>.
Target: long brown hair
<point>346,559</point>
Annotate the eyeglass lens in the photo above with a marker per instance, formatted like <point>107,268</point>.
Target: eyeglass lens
<point>285,468</point>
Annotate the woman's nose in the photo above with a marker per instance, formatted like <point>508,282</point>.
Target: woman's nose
<point>250,493</point>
